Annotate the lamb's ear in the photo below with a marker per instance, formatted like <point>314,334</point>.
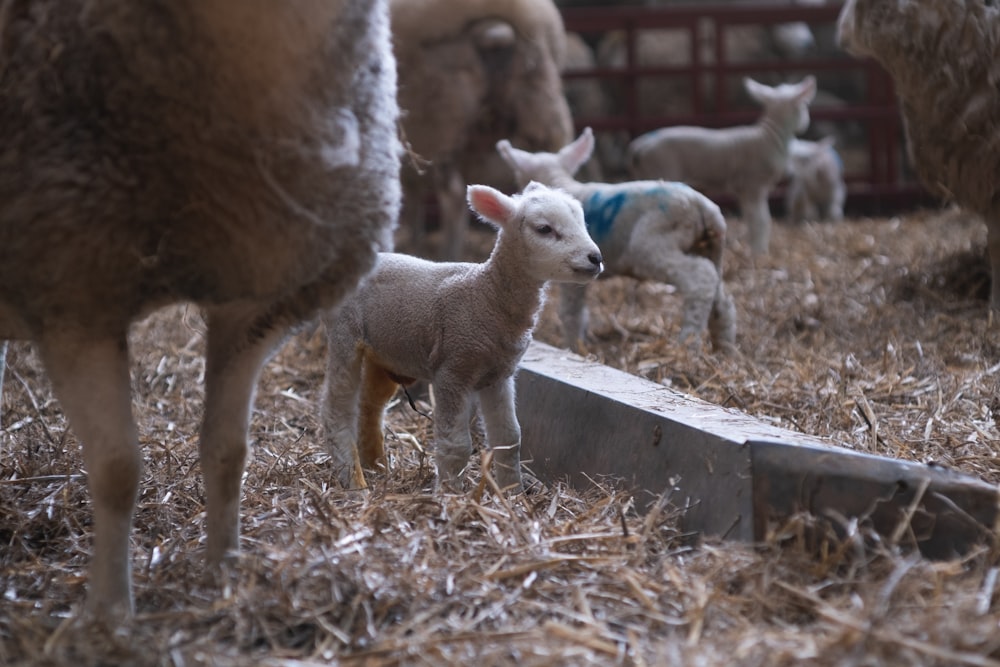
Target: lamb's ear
<point>491,204</point>
<point>758,91</point>
<point>511,155</point>
<point>572,156</point>
<point>807,90</point>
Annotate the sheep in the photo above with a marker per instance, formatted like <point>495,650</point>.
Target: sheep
<point>816,189</point>
<point>470,73</point>
<point>746,161</point>
<point>461,326</point>
<point>649,230</point>
<point>942,56</point>
<point>238,154</point>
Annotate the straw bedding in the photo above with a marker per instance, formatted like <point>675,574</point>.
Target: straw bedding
<point>873,333</point>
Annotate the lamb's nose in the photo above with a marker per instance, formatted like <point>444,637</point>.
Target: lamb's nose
<point>596,259</point>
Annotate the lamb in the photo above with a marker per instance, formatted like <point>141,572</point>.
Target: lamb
<point>816,189</point>
<point>470,73</point>
<point>942,56</point>
<point>649,230</point>
<point>239,154</point>
<point>746,161</point>
<point>461,326</point>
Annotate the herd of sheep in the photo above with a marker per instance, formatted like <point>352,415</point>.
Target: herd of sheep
<point>254,157</point>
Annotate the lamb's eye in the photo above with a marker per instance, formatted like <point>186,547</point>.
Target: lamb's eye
<point>544,230</point>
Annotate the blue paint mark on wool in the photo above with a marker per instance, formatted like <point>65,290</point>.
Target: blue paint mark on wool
<point>600,212</point>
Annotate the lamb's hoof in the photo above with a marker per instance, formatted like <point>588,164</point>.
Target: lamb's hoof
<point>449,483</point>
<point>352,477</point>
<point>509,481</point>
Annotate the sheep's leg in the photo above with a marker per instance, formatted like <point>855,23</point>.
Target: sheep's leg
<point>503,433</point>
<point>757,215</point>
<point>993,246</point>
<point>377,387</point>
<point>573,314</point>
<point>454,211</point>
<point>235,355</point>
<point>344,358</point>
<point>453,442</point>
<point>91,380</point>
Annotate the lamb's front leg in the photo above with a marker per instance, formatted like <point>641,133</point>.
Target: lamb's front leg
<point>235,354</point>
<point>90,378</point>
<point>503,432</point>
<point>757,215</point>
<point>573,314</point>
<point>453,442</point>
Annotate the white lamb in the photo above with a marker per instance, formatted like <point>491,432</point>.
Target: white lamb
<point>746,161</point>
<point>942,55</point>
<point>816,189</point>
<point>461,326</point>
<point>239,154</point>
<point>649,230</point>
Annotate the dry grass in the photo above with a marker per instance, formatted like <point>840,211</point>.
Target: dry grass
<point>873,333</point>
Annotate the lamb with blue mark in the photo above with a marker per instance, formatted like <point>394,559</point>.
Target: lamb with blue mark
<point>648,230</point>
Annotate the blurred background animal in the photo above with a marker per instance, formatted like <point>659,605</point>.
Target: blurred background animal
<point>472,72</point>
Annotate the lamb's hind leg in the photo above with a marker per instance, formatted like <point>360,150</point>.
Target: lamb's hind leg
<point>453,443</point>
<point>339,403</point>
<point>91,380</point>
<point>377,387</point>
<point>722,322</point>
<point>657,257</point>
<point>236,351</point>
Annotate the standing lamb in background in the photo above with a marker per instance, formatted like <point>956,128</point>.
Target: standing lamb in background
<point>472,72</point>
<point>816,189</point>
<point>461,326</point>
<point>943,58</point>
<point>746,161</point>
<point>649,230</point>
<point>241,154</point>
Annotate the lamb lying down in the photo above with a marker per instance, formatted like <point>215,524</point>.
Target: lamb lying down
<point>649,230</point>
<point>816,189</point>
<point>746,161</point>
<point>461,326</point>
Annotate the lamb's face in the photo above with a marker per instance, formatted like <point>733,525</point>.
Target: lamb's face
<point>555,237</point>
<point>528,167</point>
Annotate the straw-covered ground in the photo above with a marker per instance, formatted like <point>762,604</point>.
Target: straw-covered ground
<point>873,333</point>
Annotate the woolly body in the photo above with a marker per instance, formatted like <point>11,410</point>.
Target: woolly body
<point>461,326</point>
<point>746,161</point>
<point>944,58</point>
<point>240,154</point>
<point>649,230</point>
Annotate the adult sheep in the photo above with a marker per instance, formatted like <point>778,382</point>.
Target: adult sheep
<point>240,154</point>
<point>472,72</point>
<point>944,57</point>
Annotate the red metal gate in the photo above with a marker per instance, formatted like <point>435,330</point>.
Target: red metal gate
<point>879,184</point>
